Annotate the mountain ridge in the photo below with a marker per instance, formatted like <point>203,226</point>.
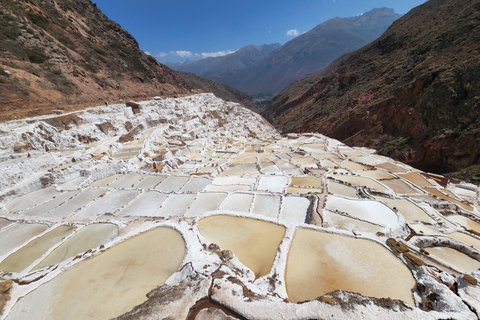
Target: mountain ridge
<point>310,52</point>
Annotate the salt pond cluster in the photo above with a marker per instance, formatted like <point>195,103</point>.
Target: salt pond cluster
<point>196,208</point>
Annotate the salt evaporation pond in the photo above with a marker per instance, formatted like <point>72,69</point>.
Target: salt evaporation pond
<point>360,181</point>
<point>341,189</point>
<point>320,262</point>
<point>146,204</point>
<point>110,283</point>
<point>254,242</point>
<point>25,256</point>
<point>341,222</point>
<point>205,202</point>
<point>237,202</point>
<point>458,260</point>
<point>32,199</point>
<point>17,234</point>
<point>89,237</point>
<point>371,211</point>
<point>469,224</point>
<point>407,209</point>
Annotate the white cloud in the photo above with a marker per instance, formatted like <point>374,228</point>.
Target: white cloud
<point>147,53</point>
<point>216,54</point>
<point>161,55</point>
<point>182,53</point>
<point>293,32</point>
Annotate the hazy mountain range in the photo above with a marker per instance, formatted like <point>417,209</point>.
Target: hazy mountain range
<point>267,69</point>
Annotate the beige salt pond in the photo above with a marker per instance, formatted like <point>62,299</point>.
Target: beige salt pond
<point>337,221</point>
<point>458,260</point>
<point>443,196</point>
<point>375,174</point>
<point>466,238</point>
<point>22,258</point>
<point>108,284</point>
<point>308,181</point>
<point>407,209</point>
<point>89,237</point>
<point>469,224</point>
<point>17,234</point>
<point>360,181</point>
<point>254,242</point>
<point>398,186</point>
<point>416,179</point>
<point>341,189</point>
<point>320,262</point>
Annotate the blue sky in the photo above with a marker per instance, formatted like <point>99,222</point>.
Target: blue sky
<point>171,30</point>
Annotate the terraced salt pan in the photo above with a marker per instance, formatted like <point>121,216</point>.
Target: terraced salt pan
<point>266,205</point>
<point>399,186</point>
<point>320,262</point>
<point>466,238</point>
<point>350,165</point>
<point>140,264</point>
<point>254,242</point>
<point>126,181</point>
<point>368,159</point>
<point>176,205</point>
<point>375,174</point>
<point>149,182</point>
<point>51,204</point>
<point>360,181</point>
<point>469,224</point>
<point>205,202</point>
<point>407,209</point>
<point>391,167</point>
<point>303,190</point>
<point>416,179</point>
<point>326,156</point>
<point>371,211</point>
<point>32,199</point>
<point>146,204</point>
<point>105,181</point>
<point>17,234</point>
<point>308,181</point>
<point>4,223</point>
<point>75,183</point>
<point>237,202</point>
<point>458,260</point>
<point>79,201</point>
<point>196,184</point>
<point>111,202</point>
<point>294,209</point>
<point>341,189</point>
<point>89,237</point>
<point>25,256</point>
<point>443,196</point>
<point>422,229</point>
<point>172,184</point>
<point>337,221</point>
<point>272,184</point>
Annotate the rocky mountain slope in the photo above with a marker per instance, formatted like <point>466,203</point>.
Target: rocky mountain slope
<point>310,52</point>
<point>411,94</point>
<point>55,53</point>
<point>214,67</point>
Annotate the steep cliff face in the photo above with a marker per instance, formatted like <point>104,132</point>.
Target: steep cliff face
<point>412,94</point>
<point>55,53</point>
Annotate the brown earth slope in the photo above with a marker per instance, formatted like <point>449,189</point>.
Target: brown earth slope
<point>413,94</point>
<point>55,53</point>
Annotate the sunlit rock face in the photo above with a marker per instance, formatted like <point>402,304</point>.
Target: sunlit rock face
<point>197,208</point>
